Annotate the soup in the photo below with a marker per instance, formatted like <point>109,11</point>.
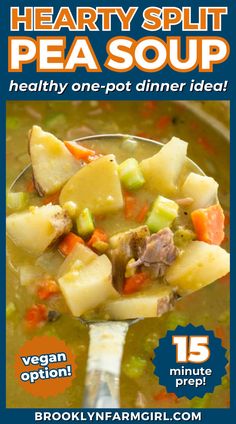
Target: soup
<point>211,306</point>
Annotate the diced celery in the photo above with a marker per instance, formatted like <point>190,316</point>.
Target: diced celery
<point>10,310</point>
<point>84,222</point>
<point>163,213</point>
<point>130,174</point>
<point>134,367</point>
<point>17,201</point>
<point>183,236</point>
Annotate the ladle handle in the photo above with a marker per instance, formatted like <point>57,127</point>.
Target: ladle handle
<point>103,367</point>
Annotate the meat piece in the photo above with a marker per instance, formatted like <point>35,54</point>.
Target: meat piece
<point>132,241</point>
<point>165,305</point>
<point>159,253</point>
<point>156,252</point>
<point>125,246</point>
<point>184,202</point>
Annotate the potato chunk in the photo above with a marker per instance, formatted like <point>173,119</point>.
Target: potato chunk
<point>34,230</point>
<point>96,186</point>
<point>199,265</point>
<point>150,303</point>
<point>52,163</point>
<point>162,171</point>
<point>202,189</point>
<point>85,289</point>
<point>79,255</point>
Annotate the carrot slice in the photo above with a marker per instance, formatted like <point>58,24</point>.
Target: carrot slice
<point>130,203</point>
<point>134,283</point>
<point>142,213</point>
<point>163,395</point>
<point>52,198</point>
<point>36,315</point>
<point>79,151</point>
<point>30,187</point>
<point>209,224</point>
<point>98,235</point>
<point>68,243</point>
<point>47,288</point>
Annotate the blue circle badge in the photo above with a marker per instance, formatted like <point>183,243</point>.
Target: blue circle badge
<point>190,361</point>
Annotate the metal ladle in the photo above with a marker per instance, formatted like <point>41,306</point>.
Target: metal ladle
<point>107,338</point>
